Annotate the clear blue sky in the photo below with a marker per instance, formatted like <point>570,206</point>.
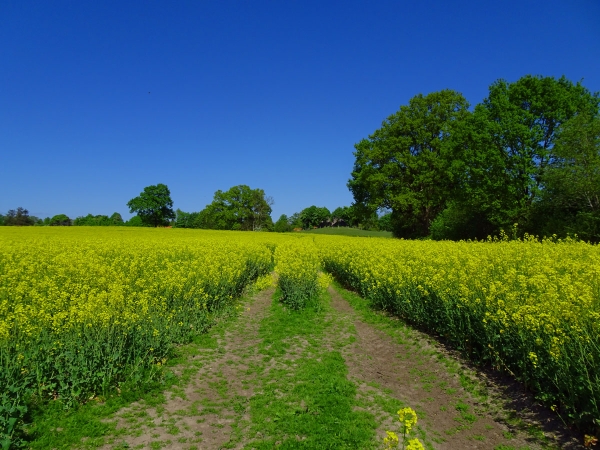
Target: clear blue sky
<point>99,99</point>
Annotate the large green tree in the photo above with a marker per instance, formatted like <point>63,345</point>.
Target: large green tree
<point>116,219</point>
<point>239,208</point>
<point>314,216</point>
<point>405,165</point>
<point>153,206</point>
<point>522,121</point>
<point>571,197</point>
<point>60,220</point>
<point>282,225</point>
<point>501,152</point>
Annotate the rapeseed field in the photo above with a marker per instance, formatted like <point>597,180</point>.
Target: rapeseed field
<point>83,310</point>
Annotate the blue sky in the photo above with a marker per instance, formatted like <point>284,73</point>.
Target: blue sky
<point>100,99</point>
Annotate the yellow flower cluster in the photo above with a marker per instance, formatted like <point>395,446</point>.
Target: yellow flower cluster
<point>408,419</point>
<point>85,309</point>
<point>391,440</point>
<point>414,444</point>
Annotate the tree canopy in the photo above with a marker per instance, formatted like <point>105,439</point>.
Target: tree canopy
<point>314,216</point>
<point>153,206</point>
<point>571,198</point>
<point>18,217</point>
<point>239,208</point>
<point>60,220</point>
<point>99,220</point>
<point>450,172</point>
<point>404,165</point>
<point>282,225</point>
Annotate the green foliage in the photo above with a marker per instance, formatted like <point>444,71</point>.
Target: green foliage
<point>454,174</point>
<point>153,206</point>
<point>185,220</point>
<point>60,220</point>
<point>99,220</point>
<point>240,208</point>
<point>116,219</point>
<point>282,225</point>
<point>136,221</point>
<point>404,165</point>
<point>295,221</point>
<point>18,217</point>
<point>522,121</point>
<point>570,202</point>
<point>313,216</point>
<point>384,222</point>
<point>344,216</point>
<point>456,222</point>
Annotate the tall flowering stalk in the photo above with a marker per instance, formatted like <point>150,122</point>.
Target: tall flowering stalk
<point>408,419</point>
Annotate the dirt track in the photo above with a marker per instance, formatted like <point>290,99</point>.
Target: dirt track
<point>212,411</point>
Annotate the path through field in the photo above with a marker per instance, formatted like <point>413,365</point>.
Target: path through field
<point>272,378</point>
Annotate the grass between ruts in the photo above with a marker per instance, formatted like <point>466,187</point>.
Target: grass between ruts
<point>311,403</point>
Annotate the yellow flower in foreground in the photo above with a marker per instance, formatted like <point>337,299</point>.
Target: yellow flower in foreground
<point>408,418</point>
<point>414,444</point>
<point>391,441</point>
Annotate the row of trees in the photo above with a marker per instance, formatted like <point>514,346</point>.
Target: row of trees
<point>153,207</point>
<point>529,154</point>
<point>344,216</point>
<point>99,220</point>
<point>239,208</point>
<point>20,217</point>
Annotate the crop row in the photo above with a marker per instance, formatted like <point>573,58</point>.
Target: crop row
<point>528,308</point>
<point>82,312</point>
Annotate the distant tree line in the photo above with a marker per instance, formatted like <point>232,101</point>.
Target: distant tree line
<point>529,154</point>
<point>99,220</point>
<point>239,208</point>
<point>20,217</point>
<point>343,216</point>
